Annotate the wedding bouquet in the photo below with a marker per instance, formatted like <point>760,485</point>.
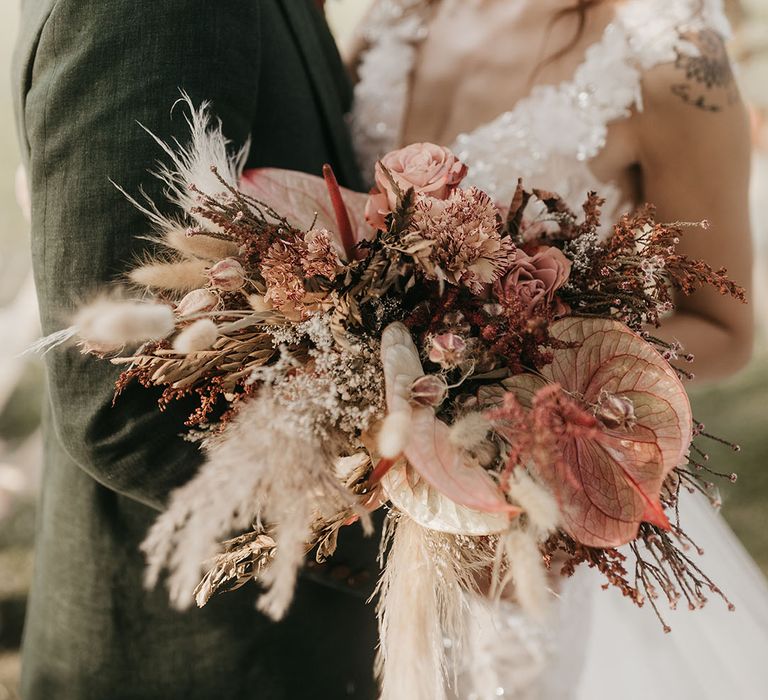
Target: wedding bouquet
<point>485,371</point>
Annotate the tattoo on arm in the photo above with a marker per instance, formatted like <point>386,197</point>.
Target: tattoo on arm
<point>709,82</point>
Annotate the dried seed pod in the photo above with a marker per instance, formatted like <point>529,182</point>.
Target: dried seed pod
<point>196,302</point>
<point>227,275</point>
<point>429,390</point>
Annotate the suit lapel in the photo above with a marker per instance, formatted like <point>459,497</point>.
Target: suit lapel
<point>304,27</point>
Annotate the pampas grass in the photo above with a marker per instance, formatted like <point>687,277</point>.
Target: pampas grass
<point>260,470</point>
<point>469,431</point>
<point>198,336</point>
<point>113,323</point>
<point>181,276</point>
<point>422,602</point>
<point>541,509</point>
<point>526,571</point>
<point>198,245</point>
<point>192,166</point>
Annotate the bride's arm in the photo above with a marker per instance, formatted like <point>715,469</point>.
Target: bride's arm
<point>694,151</point>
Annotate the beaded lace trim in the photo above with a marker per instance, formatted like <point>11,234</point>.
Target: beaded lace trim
<point>550,135</point>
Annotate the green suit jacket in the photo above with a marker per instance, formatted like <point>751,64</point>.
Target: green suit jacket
<point>86,72</point>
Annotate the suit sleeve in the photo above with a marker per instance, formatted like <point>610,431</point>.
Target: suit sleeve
<point>101,67</point>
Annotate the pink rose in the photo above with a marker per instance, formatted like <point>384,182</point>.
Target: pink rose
<point>535,278</point>
<point>432,171</point>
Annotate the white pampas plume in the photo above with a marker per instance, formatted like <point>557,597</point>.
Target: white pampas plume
<point>526,570</point>
<point>192,165</point>
<point>421,602</point>
<point>261,469</point>
<point>198,245</point>
<point>180,276</point>
<point>469,431</point>
<point>540,506</point>
<point>200,335</point>
<point>393,434</point>
<point>110,323</point>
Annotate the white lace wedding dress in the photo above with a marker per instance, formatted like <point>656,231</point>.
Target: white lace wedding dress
<point>596,644</point>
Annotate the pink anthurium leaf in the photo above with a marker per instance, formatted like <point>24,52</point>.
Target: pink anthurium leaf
<point>443,466</point>
<point>427,447</point>
<point>299,196</point>
<point>613,482</point>
<point>431,509</point>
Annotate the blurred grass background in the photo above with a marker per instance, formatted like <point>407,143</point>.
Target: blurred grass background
<point>737,409</point>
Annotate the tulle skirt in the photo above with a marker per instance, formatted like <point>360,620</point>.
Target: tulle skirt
<point>596,645</point>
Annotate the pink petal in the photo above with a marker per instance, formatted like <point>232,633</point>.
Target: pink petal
<point>298,197</point>
<point>613,484</point>
<point>432,455</point>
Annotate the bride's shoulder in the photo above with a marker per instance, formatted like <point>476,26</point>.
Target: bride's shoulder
<point>680,48</point>
<point>659,31</point>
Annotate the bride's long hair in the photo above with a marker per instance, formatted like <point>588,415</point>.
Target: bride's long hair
<point>581,9</point>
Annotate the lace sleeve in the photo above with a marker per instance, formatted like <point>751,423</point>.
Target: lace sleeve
<point>658,30</point>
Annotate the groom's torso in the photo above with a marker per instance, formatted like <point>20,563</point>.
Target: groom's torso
<point>304,91</point>
<point>92,632</point>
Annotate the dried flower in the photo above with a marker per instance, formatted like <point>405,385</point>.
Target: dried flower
<point>615,412</point>
<point>430,170</point>
<point>320,258</point>
<point>470,431</point>
<point>227,275</point>
<point>258,303</point>
<point>469,248</point>
<point>541,508</point>
<point>197,301</point>
<point>429,390</point>
<point>198,245</point>
<point>535,278</point>
<point>575,455</point>
<point>447,350</point>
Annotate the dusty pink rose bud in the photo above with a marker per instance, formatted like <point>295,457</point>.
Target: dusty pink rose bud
<point>227,275</point>
<point>198,301</point>
<point>615,412</point>
<point>432,171</point>
<point>447,350</point>
<point>535,278</point>
<point>429,390</point>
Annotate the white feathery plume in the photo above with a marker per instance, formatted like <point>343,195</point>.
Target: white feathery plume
<point>526,570</point>
<point>539,504</point>
<point>421,603</point>
<point>182,276</point>
<point>200,335</point>
<point>261,469</point>
<point>393,434</point>
<point>115,323</point>
<point>469,431</point>
<point>50,342</point>
<point>192,165</point>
